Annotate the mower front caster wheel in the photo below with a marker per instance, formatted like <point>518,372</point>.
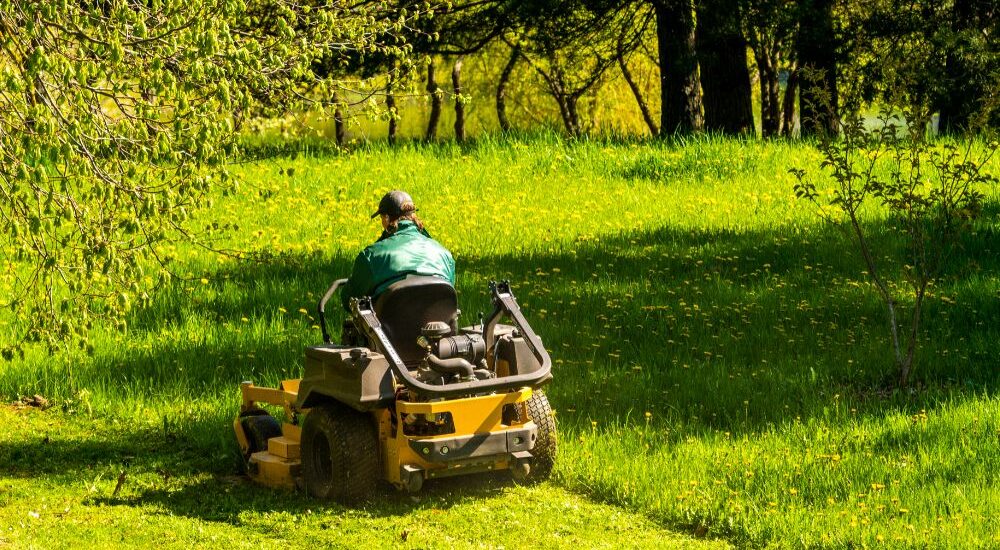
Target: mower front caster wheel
<point>258,429</point>
<point>340,459</point>
<point>413,482</point>
<point>521,471</point>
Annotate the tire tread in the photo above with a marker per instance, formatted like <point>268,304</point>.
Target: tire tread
<point>540,412</point>
<point>354,454</point>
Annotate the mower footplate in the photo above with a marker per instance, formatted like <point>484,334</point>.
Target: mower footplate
<point>274,471</point>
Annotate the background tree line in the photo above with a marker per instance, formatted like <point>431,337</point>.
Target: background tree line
<point>800,64</point>
<point>119,117</point>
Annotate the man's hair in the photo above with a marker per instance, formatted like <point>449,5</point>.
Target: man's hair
<point>409,213</point>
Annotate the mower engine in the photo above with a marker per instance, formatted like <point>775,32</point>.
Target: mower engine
<point>458,358</point>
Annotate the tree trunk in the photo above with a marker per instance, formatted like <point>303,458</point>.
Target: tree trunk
<point>574,114</point>
<point>340,134</point>
<point>646,115</point>
<point>788,104</point>
<point>436,100</point>
<point>508,69</point>
<point>563,101</point>
<point>564,98</point>
<point>817,56</point>
<point>911,347</point>
<point>770,116</point>
<point>956,102</point>
<point>153,130</point>
<point>390,106</point>
<point>680,88</point>
<point>725,78</point>
<point>456,82</point>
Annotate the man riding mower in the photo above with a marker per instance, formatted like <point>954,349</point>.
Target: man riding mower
<point>407,395</point>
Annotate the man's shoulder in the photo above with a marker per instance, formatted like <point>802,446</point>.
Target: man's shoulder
<point>400,241</point>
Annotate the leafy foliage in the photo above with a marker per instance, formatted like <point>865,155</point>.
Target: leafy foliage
<point>115,123</point>
<point>572,44</point>
<point>941,55</point>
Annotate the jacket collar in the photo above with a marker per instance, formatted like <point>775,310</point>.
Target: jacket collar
<point>404,227</point>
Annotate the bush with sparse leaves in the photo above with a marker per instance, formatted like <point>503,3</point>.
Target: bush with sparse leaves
<point>931,193</point>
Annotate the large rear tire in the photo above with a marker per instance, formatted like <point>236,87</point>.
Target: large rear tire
<point>544,453</point>
<point>340,459</point>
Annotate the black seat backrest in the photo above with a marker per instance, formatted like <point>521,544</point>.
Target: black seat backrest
<point>407,305</point>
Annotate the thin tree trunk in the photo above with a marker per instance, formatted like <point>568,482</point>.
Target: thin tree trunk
<point>883,290</point>
<point>572,101</point>
<point>770,117</point>
<point>436,100</point>
<point>456,82</point>
<point>564,113</point>
<point>339,130</point>
<point>637,93</point>
<point>725,78</point>
<point>151,128</point>
<point>564,99</point>
<point>765,100</point>
<point>906,367</point>
<point>508,69</point>
<point>817,55</point>
<point>390,105</point>
<point>238,120</point>
<point>680,87</point>
<point>788,104</point>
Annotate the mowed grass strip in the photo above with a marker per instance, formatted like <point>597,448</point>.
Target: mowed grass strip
<point>74,481</point>
<point>721,362</point>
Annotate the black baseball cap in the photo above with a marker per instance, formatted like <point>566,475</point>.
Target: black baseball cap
<point>395,204</point>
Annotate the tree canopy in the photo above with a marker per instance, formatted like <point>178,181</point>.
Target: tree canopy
<point>116,121</point>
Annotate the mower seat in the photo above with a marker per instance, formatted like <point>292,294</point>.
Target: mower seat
<point>409,304</point>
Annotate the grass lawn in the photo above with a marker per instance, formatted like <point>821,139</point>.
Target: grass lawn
<point>720,363</point>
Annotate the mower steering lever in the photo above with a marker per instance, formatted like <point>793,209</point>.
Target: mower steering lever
<point>322,307</point>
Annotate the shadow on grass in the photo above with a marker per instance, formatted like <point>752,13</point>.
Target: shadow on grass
<point>46,452</point>
<point>724,330</point>
<point>188,477</point>
<point>227,498</point>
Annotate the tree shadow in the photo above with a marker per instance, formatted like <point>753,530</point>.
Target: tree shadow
<point>171,469</point>
<point>725,330</point>
<point>44,453</point>
<point>225,498</point>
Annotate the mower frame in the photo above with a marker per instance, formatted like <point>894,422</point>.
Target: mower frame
<point>491,424</point>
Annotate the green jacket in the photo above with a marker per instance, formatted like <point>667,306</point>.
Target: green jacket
<point>407,251</point>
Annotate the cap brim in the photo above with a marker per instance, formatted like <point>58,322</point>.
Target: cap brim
<point>375,215</point>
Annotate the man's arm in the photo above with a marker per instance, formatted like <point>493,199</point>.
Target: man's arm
<point>450,267</point>
<point>360,282</point>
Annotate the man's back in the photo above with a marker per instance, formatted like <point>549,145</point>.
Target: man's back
<point>406,251</point>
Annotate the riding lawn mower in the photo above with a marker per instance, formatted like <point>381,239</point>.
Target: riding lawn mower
<point>406,396</point>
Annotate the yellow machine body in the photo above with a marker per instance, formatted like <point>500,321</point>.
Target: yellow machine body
<point>481,415</point>
<point>471,417</point>
<point>279,465</point>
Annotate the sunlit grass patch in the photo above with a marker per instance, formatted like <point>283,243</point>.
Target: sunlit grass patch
<point>720,360</point>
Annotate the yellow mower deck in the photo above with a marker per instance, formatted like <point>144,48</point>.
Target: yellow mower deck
<point>406,459</point>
